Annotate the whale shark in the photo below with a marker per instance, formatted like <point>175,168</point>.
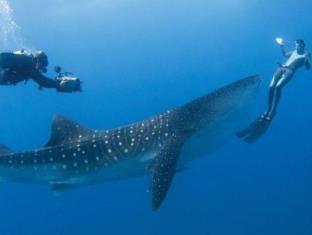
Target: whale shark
<point>158,146</point>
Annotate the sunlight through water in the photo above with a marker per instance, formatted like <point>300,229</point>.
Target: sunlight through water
<point>9,30</point>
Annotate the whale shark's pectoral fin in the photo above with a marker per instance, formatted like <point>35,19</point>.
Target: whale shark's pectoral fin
<point>164,168</point>
<point>4,150</point>
<point>65,130</point>
<point>153,163</point>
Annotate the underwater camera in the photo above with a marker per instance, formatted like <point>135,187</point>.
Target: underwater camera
<point>68,82</point>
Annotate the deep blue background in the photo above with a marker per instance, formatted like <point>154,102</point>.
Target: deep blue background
<point>138,58</point>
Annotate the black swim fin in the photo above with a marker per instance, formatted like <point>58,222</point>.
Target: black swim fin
<point>255,130</point>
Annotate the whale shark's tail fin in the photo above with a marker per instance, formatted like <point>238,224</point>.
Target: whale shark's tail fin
<point>4,150</point>
<point>255,130</point>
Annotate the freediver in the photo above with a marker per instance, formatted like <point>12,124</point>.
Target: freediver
<point>295,60</point>
<point>21,65</point>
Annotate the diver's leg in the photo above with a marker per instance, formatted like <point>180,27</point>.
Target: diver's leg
<point>270,100</point>
<point>258,128</point>
<point>276,77</point>
<point>286,77</point>
<point>254,126</point>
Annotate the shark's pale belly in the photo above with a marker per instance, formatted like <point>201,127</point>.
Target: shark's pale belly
<point>195,147</point>
<point>134,167</point>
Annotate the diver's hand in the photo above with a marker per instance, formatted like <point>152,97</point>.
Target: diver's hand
<point>280,41</point>
<point>68,84</point>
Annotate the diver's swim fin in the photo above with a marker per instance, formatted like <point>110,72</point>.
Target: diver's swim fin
<point>263,126</point>
<point>255,130</point>
<point>245,132</point>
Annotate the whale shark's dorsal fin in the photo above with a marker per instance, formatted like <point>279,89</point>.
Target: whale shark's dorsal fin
<point>65,130</point>
<point>163,168</point>
<point>4,150</point>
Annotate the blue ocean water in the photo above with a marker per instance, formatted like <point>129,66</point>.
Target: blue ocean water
<point>137,58</point>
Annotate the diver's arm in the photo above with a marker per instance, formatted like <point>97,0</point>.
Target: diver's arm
<point>284,51</point>
<point>61,84</point>
<point>44,81</point>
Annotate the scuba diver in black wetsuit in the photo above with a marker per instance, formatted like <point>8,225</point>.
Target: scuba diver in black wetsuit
<point>296,59</point>
<point>20,66</point>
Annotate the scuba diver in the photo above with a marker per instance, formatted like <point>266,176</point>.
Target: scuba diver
<point>295,59</point>
<point>20,66</point>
